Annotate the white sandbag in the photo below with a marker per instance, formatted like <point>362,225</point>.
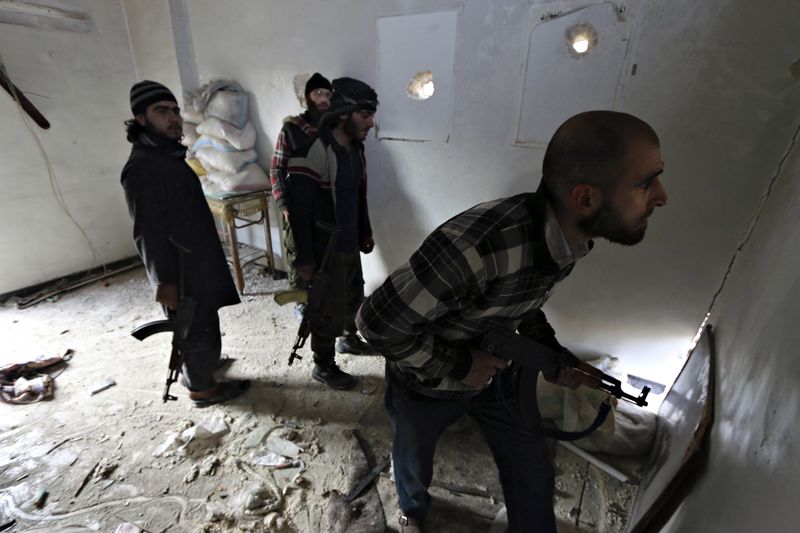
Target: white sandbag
<point>251,178</point>
<point>190,116</point>
<point>213,142</point>
<point>226,101</point>
<point>241,138</point>
<point>230,162</point>
<point>189,134</point>
<point>210,187</point>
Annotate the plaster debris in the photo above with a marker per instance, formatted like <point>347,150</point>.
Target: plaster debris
<point>194,440</point>
<point>257,500</point>
<point>283,447</point>
<point>103,385</point>
<point>192,474</point>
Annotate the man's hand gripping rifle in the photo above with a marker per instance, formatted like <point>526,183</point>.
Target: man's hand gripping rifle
<point>316,292</point>
<point>535,357</point>
<point>532,354</point>
<point>178,322</point>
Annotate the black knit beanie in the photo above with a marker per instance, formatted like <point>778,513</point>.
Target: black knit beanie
<point>350,95</point>
<point>317,81</point>
<point>146,93</point>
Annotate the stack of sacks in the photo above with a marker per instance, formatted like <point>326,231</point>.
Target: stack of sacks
<point>225,139</point>
<point>192,114</point>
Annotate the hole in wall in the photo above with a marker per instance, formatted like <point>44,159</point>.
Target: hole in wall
<point>299,83</point>
<point>421,86</point>
<point>581,38</point>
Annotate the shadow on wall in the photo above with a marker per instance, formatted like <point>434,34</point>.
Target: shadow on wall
<point>264,142</point>
<point>397,230</point>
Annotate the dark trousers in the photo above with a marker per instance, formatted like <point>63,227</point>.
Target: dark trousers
<point>201,350</point>
<point>526,471</point>
<point>338,308</point>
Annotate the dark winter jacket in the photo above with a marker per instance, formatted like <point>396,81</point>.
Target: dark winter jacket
<point>169,210</point>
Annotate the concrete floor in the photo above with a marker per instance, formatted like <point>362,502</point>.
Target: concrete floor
<point>94,455</point>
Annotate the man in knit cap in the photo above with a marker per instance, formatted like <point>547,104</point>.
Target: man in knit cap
<point>296,131</point>
<point>171,217</point>
<point>328,183</point>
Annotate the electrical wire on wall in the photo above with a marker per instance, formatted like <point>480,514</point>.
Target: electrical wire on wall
<point>54,185</point>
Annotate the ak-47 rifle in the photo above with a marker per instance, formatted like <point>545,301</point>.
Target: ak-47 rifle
<point>541,358</point>
<point>316,292</point>
<point>178,322</point>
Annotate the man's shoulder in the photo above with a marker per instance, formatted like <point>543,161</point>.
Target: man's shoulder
<point>316,146</point>
<point>508,210</point>
<point>147,163</point>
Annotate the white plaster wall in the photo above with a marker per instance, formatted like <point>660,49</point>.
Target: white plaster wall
<point>80,82</point>
<point>715,87</point>
<point>152,43</point>
<point>753,475</point>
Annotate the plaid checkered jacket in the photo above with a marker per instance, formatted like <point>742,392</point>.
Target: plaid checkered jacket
<point>485,268</point>
<point>296,131</point>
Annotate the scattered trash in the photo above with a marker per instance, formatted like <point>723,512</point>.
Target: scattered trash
<point>283,447</point>
<point>105,384</point>
<point>20,478</point>
<point>22,383</point>
<point>40,498</point>
<point>27,390</point>
<point>273,460</point>
<point>63,332</point>
<point>255,438</point>
<point>195,439</point>
<point>257,500</point>
<point>250,497</point>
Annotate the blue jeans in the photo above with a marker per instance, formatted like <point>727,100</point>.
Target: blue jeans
<point>526,471</point>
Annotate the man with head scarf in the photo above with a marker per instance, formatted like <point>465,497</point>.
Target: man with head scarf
<point>296,131</point>
<point>170,218</point>
<point>328,183</point>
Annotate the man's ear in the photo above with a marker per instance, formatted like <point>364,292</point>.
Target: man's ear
<point>141,120</point>
<point>585,199</point>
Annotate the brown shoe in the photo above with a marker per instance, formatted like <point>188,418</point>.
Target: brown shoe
<point>409,525</point>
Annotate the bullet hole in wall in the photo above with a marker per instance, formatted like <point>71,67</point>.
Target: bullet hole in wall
<point>581,38</point>
<point>421,86</point>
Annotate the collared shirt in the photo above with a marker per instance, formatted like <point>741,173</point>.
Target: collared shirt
<point>488,267</point>
<point>560,250</point>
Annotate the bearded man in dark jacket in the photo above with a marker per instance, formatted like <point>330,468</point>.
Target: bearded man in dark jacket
<point>170,216</point>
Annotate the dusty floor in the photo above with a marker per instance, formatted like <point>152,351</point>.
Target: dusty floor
<point>94,454</point>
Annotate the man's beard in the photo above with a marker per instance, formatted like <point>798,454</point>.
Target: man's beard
<point>607,223</point>
<point>351,129</point>
<point>151,129</point>
<point>314,110</point>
